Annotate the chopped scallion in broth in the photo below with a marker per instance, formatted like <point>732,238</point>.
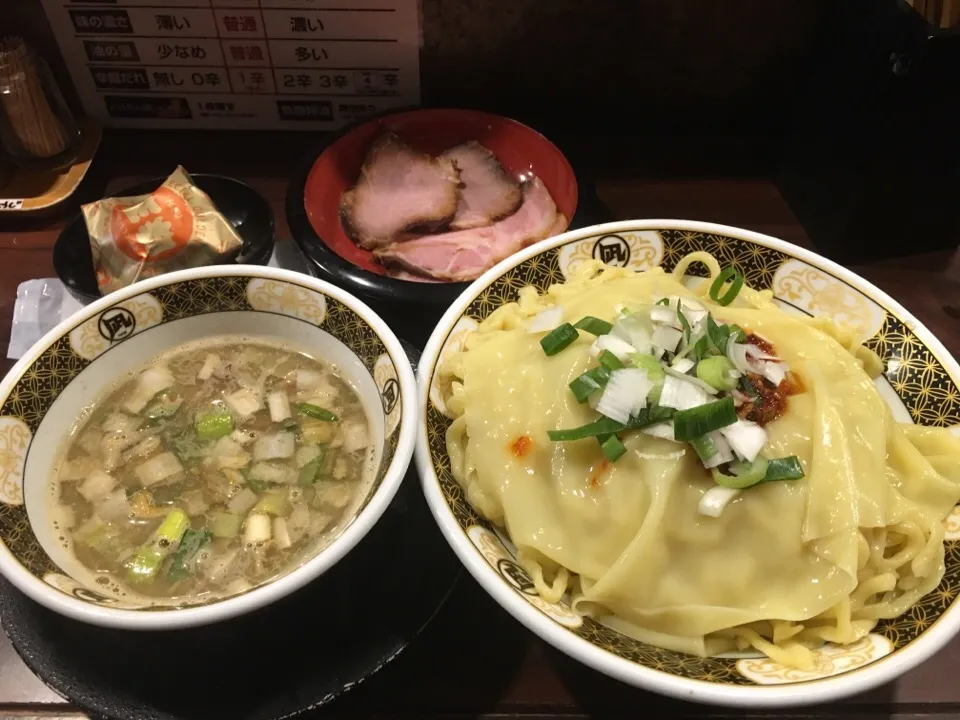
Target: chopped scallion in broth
<point>214,469</point>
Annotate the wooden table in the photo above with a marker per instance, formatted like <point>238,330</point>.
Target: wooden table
<point>507,670</point>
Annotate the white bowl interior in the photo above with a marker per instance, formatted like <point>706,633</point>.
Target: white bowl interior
<point>117,365</point>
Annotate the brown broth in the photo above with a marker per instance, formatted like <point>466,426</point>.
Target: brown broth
<point>208,472</point>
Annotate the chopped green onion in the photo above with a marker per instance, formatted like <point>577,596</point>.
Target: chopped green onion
<point>162,411</point>
<point>612,448</point>
<point>654,373</point>
<point>744,474</point>
<point>736,282</point>
<point>715,371</point>
<point>684,323</point>
<point>610,361</point>
<point>702,347</point>
<point>558,338</point>
<point>719,335</point>
<point>603,426</point>
<point>705,447</point>
<point>316,412</point>
<point>311,471</point>
<point>689,424</point>
<point>190,545</point>
<point>258,486</point>
<point>213,425</point>
<point>224,524</point>
<point>272,503</point>
<point>594,326</point>
<point>146,562</point>
<point>650,364</point>
<point>785,468</point>
<point>590,381</point>
<point>663,301</point>
<point>606,426</point>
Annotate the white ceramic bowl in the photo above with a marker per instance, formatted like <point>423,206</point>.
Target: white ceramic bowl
<point>922,384</point>
<point>74,363</point>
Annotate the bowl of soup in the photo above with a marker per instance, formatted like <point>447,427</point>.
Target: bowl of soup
<point>198,446</point>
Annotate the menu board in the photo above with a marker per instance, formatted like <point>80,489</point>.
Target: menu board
<point>245,64</point>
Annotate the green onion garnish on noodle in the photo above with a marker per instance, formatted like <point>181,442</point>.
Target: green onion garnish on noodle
<point>589,382</point>
<point>717,372</point>
<point>690,424</point>
<point>606,426</point>
<point>743,474</point>
<point>705,447</point>
<point>612,448</point>
<point>736,282</point>
<point>594,325</point>
<point>684,323</point>
<point>785,468</point>
<point>558,339</point>
<point>610,361</point>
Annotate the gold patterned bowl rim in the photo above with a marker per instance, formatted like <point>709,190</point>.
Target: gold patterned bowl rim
<point>389,479</point>
<point>494,290</point>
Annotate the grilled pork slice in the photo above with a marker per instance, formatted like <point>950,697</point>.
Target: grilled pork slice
<point>560,226</point>
<point>400,274</point>
<point>487,192</point>
<point>464,255</point>
<point>399,190</point>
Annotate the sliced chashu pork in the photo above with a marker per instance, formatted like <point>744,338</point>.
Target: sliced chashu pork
<point>487,192</point>
<point>399,190</point>
<point>560,226</point>
<point>465,254</point>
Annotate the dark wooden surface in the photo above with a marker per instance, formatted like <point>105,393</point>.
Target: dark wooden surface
<point>474,660</point>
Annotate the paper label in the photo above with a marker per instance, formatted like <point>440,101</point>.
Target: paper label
<point>239,64</point>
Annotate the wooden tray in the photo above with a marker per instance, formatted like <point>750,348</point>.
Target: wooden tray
<point>24,191</point>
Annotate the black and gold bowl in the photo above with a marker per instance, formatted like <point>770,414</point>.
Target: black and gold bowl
<point>81,359</point>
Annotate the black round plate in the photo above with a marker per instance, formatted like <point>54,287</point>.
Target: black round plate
<point>278,662</point>
<point>244,208</point>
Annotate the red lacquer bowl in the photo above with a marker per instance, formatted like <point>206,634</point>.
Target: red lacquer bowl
<point>519,149</point>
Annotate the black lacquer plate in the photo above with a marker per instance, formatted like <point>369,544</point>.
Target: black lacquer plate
<point>293,656</point>
<point>242,206</point>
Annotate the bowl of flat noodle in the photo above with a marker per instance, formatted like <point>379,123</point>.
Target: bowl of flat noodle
<point>700,460</point>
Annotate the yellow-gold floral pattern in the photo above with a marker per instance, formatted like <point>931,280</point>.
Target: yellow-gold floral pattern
<point>115,324</point>
<point>385,376</point>
<point>813,291</point>
<point>282,297</point>
<point>914,371</point>
<point>455,342</point>
<point>638,251</point>
<point>832,660</point>
<point>952,524</point>
<point>14,441</point>
<point>495,553</point>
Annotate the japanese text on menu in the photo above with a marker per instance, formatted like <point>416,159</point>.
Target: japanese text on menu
<point>251,64</point>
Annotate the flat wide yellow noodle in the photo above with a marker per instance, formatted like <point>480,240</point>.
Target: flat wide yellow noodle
<point>784,551</point>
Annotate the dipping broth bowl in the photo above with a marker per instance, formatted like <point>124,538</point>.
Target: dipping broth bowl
<point>80,360</point>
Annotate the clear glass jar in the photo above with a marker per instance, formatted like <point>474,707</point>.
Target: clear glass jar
<point>37,128</point>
